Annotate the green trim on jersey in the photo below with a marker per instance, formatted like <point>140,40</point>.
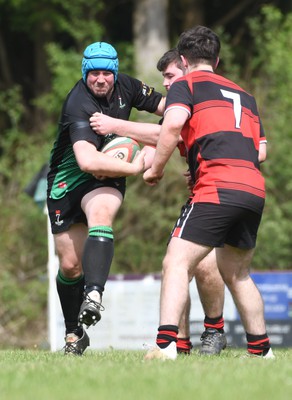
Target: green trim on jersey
<point>69,175</point>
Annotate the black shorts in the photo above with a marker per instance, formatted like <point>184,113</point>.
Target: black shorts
<point>67,211</point>
<point>215,225</point>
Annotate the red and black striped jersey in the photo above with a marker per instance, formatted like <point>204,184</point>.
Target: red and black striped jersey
<point>222,137</point>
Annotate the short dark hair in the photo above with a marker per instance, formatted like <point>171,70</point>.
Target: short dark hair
<point>169,57</point>
<point>199,45</point>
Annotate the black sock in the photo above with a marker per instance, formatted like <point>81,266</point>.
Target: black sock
<point>214,323</point>
<point>166,334</point>
<point>71,296</point>
<point>258,344</point>
<point>97,257</point>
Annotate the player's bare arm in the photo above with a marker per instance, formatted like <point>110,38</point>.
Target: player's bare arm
<point>262,152</point>
<point>171,128</point>
<point>146,133</point>
<point>99,164</point>
<point>161,107</point>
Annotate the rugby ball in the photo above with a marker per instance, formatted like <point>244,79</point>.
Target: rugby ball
<point>123,148</point>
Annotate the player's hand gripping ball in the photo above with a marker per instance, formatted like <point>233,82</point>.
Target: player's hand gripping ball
<point>123,148</point>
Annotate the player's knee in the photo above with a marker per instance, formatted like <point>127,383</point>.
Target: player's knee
<point>200,273</point>
<point>70,269</point>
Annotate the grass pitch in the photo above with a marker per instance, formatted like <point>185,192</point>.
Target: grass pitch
<point>124,375</point>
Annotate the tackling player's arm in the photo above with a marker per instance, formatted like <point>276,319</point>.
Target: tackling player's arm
<point>173,122</point>
<point>146,133</point>
<point>161,107</point>
<point>262,152</point>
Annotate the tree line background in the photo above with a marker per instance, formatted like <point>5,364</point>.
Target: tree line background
<point>41,45</point>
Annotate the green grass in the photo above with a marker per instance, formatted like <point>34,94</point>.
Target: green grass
<point>124,375</point>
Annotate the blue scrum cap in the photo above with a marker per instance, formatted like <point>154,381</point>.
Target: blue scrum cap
<point>99,56</point>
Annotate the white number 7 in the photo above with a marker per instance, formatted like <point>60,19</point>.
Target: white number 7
<point>235,97</point>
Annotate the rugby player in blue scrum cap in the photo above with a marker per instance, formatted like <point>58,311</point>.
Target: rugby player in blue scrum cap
<point>82,206</point>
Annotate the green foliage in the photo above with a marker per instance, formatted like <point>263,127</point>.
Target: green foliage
<point>25,292</point>
<point>78,19</point>
<point>227,63</point>
<point>65,67</point>
<point>126,57</point>
<point>272,33</point>
<point>23,254</point>
<point>11,104</point>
